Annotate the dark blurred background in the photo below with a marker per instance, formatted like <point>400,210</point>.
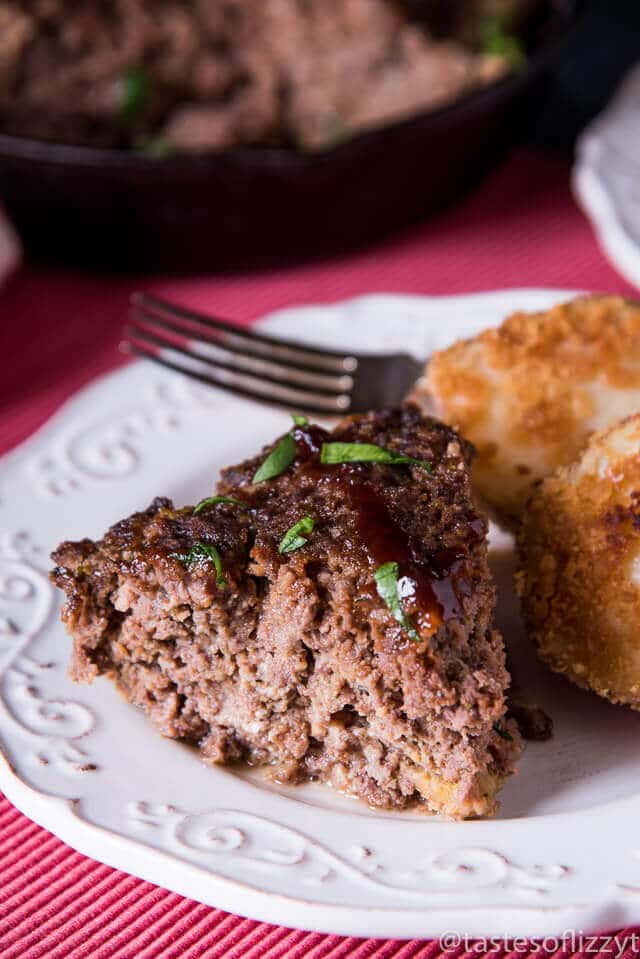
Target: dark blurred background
<point>604,44</point>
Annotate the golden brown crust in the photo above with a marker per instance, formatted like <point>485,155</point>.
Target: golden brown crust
<point>580,566</point>
<point>529,393</point>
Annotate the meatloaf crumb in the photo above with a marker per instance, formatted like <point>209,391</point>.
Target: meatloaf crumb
<point>294,661</point>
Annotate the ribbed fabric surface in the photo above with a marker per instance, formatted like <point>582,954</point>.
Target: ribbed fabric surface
<point>58,330</point>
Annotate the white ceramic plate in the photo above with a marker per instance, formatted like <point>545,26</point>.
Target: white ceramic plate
<point>606,177</point>
<point>79,760</point>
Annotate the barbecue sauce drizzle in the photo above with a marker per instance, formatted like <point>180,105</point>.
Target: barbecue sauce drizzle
<point>429,589</point>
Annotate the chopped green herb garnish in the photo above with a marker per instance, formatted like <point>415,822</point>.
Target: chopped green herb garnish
<point>280,457</point>
<point>387,579</point>
<point>503,733</point>
<point>297,535</point>
<point>496,40</point>
<point>214,500</point>
<point>367,453</point>
<point>135,90</point>
<point>154,146</point>
<point>200,553</point>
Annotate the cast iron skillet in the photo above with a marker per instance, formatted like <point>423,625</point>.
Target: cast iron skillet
<point>122,210</point>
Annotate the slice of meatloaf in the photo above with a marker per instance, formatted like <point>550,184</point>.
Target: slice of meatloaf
<point>327,661</point>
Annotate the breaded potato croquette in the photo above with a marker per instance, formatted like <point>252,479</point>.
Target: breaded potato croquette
<point>529,393</point>
<point>579,579</point>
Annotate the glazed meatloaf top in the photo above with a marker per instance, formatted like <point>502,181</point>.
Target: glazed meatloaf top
<point>356,648</point>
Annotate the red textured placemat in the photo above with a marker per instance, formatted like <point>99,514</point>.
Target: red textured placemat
<point>59,329</point>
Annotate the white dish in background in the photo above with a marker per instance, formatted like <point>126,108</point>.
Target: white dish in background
<point>79,760</point>
<point>10,248</point>
<point>606,177</point>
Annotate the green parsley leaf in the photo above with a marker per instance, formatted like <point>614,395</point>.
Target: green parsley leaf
<point>296,536</point>
<point>299,420</point>
<point>154,146</point>
<point>496,41</point>
<point>367,453</point>
<point>280,457</point>
<point>387,584</point>
<point>134,93</point>
<point>213,500</point>
<point>200,553</point>
<point>503,733</point>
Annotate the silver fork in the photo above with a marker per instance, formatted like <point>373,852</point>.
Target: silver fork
<point>262,367</point>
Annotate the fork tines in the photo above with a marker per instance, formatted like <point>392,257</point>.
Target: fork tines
<point>236,359</point>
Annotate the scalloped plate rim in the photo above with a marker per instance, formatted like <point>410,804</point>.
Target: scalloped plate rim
<point>61,815</point>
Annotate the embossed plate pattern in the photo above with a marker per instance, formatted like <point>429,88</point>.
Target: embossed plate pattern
<point>561,854</point>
